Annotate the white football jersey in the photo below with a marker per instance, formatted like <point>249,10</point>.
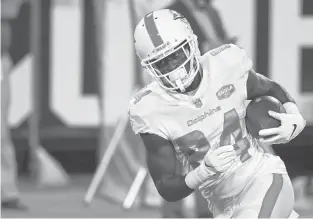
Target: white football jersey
<point>211,118</point>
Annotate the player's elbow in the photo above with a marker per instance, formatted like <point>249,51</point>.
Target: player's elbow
<point>171,199</point>
<point>169,196</point>
<point>169,193</point>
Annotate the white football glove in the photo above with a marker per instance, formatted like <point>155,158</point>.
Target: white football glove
<point>291,126</point>
<point>220,159</point>
<point>214,162</point>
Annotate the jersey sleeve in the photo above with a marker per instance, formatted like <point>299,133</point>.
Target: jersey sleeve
<point>244,66</point>
<point>144,119</point>
<point>231,59</point>
<point>246,62</point>
<point>138,123</point>
<point>145,124</point>
<point>242,58</point>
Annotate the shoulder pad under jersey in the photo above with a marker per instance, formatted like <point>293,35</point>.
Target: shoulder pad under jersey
<point>142,110</point>
<point>144,100</point>
<point>139,95</point>
<point>231,56</point>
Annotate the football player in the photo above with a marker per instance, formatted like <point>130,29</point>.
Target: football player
<point>194,111</point>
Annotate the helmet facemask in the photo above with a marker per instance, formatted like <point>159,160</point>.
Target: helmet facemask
<point>175,68</point>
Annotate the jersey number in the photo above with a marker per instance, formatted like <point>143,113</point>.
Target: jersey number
<point>195,145</point>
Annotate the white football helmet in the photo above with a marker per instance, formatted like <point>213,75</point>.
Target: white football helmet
<point>168,49</point>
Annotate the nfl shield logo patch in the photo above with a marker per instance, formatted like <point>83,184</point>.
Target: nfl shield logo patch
<point>198,103</point>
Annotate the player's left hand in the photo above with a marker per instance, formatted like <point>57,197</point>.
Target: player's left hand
<point>291,126</point>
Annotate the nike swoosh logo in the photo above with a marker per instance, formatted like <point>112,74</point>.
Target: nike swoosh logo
<point>294,129</point>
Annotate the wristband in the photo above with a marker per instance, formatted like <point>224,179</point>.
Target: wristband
<point>198,176</point>
<point>291,108</point>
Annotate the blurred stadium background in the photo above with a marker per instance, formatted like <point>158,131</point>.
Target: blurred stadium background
<point>74,70</point>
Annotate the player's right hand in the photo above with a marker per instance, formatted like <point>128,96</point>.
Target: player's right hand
<point>220,159</point>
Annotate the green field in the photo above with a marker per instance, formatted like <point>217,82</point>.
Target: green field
<point>67,203</point>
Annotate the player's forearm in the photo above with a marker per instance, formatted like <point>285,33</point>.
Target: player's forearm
<point>173,188</point>
<point>291,108</point>
<point>258,85</point>
<point>280,93</point>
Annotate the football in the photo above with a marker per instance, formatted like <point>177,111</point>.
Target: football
<point>257,116</point>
